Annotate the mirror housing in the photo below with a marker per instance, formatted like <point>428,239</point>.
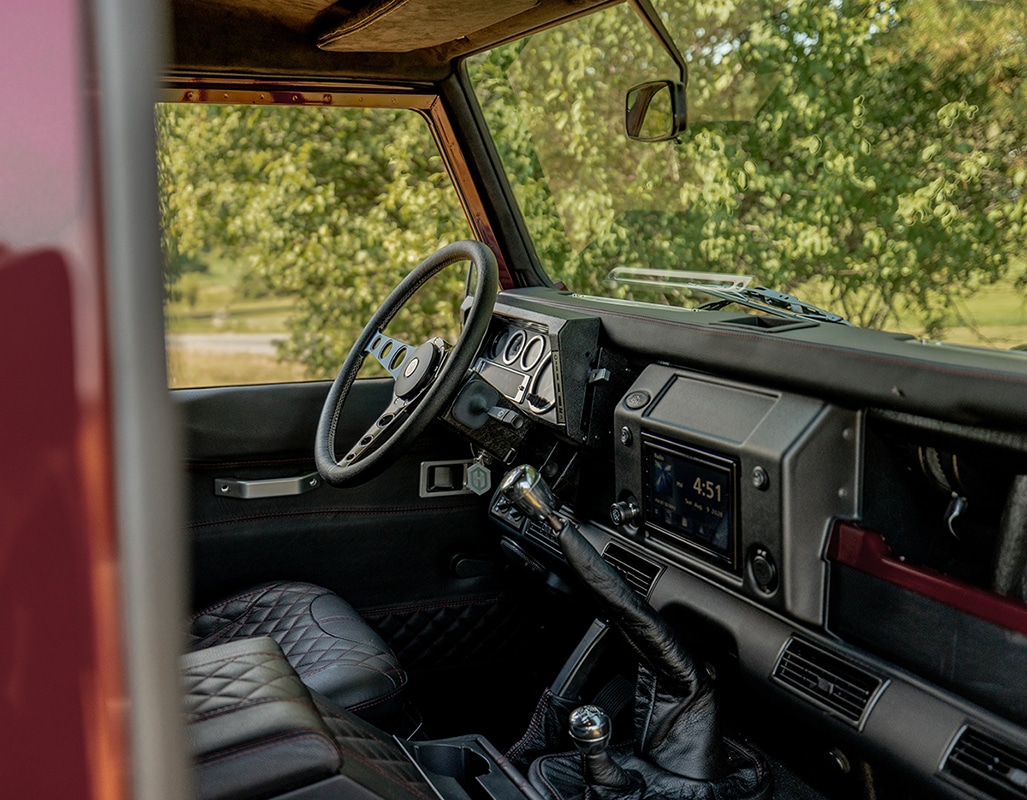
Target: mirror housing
<point>655,111</point>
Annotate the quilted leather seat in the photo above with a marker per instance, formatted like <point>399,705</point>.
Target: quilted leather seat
<point>255,731</point>
<point>330,647</point>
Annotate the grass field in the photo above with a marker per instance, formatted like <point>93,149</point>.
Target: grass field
<point>190,368</point>
<point>996,317</point>
<point>254,316</point>
<point>212,302</point>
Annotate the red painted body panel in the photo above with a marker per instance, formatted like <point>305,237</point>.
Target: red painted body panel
<point>62,698</point>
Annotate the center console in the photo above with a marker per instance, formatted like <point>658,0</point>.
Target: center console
<point>737,483</point>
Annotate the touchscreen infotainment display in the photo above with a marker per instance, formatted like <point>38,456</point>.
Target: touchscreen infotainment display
<point>690,495</point>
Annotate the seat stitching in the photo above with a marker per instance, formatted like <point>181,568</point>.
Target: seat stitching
<point>199,716</point>
<point>334,513</point>
<point>238,751</point>
<point>368,704</point>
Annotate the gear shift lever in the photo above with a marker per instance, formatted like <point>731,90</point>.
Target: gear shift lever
<point>526,489</point>
<point>677,726</point>
<point>590,731</point>
<point>646,631</point>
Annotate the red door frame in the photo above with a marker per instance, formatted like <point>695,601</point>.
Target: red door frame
<point>76,397</point>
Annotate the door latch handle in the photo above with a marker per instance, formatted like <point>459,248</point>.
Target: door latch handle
<point>272,487</point>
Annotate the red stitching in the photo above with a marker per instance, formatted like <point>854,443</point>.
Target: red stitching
<point>384,698</point>
<point>534,725</point>
<point>255,592</point>
<point>394,668</point>
<point>471,600</point>
<point>370,511</point>
<point>199,465</point>
<point>215,713</point>
<point>239,751</point>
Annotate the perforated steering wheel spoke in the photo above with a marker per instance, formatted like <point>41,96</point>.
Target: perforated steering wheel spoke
<point>380,428</point>
<point>391,353</point>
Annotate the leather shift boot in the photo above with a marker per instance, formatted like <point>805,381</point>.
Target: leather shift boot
<point>547,731</point>
<point>606,780</point>
<point>746,777</point>
<point>680,735</point>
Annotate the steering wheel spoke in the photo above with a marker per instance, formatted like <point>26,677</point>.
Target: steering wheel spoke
<point>387,420</point>
<point>391,353</point>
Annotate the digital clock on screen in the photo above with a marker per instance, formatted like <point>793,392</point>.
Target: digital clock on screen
<point>690,497</point>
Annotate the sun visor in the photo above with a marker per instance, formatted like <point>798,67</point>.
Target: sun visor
<point>401,26</point>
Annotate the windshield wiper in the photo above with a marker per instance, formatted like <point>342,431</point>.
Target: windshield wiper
<point>728,288</point>
<point>761,298</point>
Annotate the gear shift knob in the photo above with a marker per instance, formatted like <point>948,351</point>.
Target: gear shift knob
<point>524,487</point>
<point>590,729</point>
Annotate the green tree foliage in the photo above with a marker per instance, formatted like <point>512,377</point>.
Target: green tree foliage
<point>328,206</point>
<point>874,151</point>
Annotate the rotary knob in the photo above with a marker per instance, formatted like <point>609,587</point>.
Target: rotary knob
<point>764,570</point>
<point>624,512</point>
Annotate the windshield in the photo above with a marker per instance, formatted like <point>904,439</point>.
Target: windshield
<point>868,158</point>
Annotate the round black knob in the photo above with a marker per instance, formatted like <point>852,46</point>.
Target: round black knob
<point>764,571</point>
<point>624,512</point>
<point>590,729</point>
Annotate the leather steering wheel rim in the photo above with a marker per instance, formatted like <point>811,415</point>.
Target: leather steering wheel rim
<point>406,418</point>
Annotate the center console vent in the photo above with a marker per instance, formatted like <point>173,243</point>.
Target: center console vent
<point>987,765</point>
<point>542,534</point>
<point>640,573</point>
<point>827,680</point>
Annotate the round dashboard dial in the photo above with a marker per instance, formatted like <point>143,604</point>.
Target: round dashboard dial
<point>533,352</point>
<point>542,391</point>
<point>498,343</point>
<point>514,346</point>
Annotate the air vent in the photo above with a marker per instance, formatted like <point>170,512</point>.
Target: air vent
<point>988,765</point>
<point>639,572</point>
<point>541,533</point>
<point>836,685</point>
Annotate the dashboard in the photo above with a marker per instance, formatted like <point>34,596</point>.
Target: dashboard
<point>846,549</point>
<point>518,361</point>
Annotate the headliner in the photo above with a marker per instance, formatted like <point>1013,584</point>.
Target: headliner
<point>365,39</point>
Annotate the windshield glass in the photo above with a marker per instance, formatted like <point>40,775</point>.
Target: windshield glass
<point>867,158</point>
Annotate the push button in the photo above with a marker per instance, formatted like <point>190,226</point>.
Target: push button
<point>637,399</point>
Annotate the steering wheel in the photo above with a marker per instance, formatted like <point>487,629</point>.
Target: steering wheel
<point>426,376</point>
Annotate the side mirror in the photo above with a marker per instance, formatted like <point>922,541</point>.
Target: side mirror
<point>655,111</point>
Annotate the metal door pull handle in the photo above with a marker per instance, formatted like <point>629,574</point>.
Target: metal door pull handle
<point>273,487</point>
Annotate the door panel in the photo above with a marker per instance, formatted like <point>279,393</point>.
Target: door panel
<point>376,545</point>
<point>381,546</point>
